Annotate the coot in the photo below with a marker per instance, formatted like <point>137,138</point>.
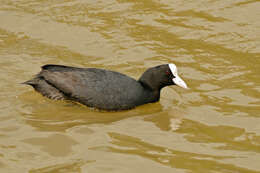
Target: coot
<point>104,89</point>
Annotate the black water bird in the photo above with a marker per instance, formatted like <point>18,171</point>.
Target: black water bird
<point>104,89</point>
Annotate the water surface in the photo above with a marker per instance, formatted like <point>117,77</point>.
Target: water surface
<point>213,127</point>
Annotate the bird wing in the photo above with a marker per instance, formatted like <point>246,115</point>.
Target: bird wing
<point>73,82</point>
<point>94,87</point>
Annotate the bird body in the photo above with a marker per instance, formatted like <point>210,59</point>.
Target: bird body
<point>100,88</point>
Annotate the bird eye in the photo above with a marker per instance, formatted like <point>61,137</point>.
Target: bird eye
<point>167,72</point>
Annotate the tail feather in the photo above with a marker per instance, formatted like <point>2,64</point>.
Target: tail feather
<point>29,82</point>
<point>45,88</point>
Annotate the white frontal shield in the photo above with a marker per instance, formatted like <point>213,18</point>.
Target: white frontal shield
<point>177,80</point>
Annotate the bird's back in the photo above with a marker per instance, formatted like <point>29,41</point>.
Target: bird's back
<point>93,87</point>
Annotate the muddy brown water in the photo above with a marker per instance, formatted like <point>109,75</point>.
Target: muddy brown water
<point>212,128</point>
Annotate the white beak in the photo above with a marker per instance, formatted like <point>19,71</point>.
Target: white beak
<point>178,81</point>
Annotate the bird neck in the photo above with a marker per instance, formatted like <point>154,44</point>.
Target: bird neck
<point>152,91</point>
<point>151,83</point>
